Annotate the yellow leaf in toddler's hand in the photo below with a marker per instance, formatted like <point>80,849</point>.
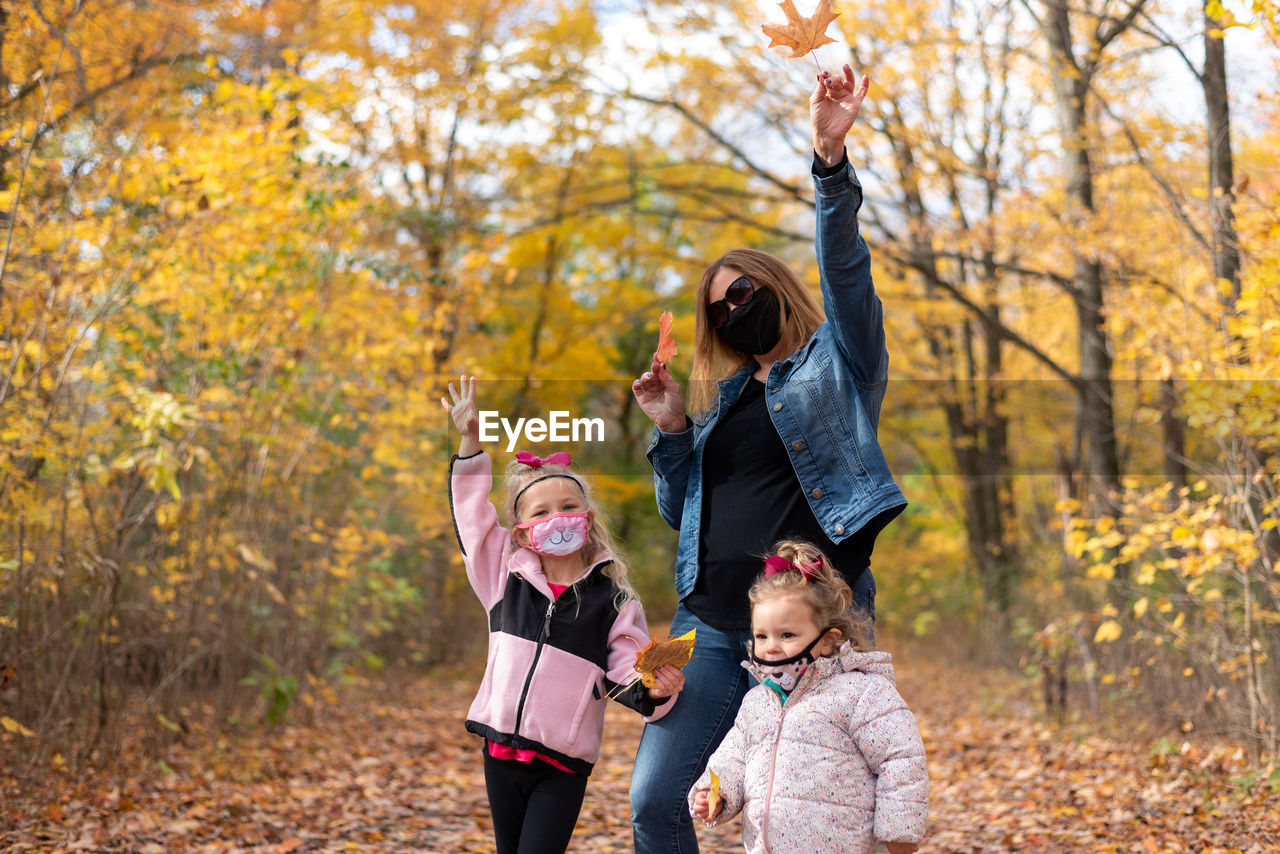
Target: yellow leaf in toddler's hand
<point>800,34</point>
<point>714,801</point>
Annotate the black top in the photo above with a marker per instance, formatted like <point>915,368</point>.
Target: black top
<point>751,498</point>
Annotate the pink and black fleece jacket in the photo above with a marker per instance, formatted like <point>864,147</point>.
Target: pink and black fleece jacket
<point>551,662</point>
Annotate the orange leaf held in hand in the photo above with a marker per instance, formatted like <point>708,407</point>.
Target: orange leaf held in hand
<point>674,652</point>
<point>713,797</point>
<point>801,35</point>
<point>666,344</point>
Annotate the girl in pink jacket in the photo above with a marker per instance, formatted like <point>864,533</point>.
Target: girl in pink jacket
<point>824,754</point>
<point>564,628</point>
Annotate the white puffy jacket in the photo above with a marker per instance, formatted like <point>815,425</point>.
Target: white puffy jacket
<point>837,767</point>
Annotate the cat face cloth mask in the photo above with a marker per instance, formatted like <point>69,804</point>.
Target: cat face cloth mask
<point>559,534</point>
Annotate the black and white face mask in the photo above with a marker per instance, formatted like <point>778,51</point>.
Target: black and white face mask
<point>786,672</point>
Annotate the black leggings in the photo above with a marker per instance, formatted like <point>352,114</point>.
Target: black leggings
<point>534,805</point>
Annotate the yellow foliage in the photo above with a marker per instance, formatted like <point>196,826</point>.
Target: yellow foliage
<point>1104,571</point>
<point>241,276</point>
<point>10,725</point>
<point>1108,631</point>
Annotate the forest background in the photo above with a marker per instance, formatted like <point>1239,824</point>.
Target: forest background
<point>248,242</point>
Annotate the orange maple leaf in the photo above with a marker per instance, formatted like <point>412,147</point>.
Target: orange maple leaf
<point>801,34</point>
<point>666,344</point>
<point>675,652</point>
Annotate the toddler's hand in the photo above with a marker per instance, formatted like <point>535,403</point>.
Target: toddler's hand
<point>701,808</point>
<point>901,847</point>
<point>667,682</point>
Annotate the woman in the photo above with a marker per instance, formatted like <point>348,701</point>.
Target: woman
<point>782,446</point>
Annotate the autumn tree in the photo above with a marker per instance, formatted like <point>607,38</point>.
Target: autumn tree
<point>247,244</point>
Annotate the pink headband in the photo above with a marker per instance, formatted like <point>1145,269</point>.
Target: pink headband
<point>775,564</point>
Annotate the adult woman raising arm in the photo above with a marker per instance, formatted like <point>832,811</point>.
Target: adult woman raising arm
<point>778,440</point>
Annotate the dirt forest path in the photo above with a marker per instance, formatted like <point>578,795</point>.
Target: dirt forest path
<point>403,776</point>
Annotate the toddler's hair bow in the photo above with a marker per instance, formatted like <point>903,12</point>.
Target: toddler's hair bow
<point>776,563</point>
<point>533,461</point>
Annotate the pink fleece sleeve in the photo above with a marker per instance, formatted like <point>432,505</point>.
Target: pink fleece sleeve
<point>483,541</point>
<point>629,635</point>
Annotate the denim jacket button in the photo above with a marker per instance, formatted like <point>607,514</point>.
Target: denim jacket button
<point>777,406</point>
<point>839,529</point>
<point>817,493</point>
<point>797,445</point>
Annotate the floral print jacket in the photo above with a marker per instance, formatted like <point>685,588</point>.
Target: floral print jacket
<point>837,766</point>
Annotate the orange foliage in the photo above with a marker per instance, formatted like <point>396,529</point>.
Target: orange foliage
<point>801,34</point>
<point>666,344</point>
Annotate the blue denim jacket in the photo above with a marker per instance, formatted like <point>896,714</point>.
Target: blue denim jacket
<point>824,399</point>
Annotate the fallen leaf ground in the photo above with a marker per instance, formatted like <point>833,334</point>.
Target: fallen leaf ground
<point>401,775</point>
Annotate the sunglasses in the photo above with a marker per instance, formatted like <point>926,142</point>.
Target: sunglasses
<point>739,292</point>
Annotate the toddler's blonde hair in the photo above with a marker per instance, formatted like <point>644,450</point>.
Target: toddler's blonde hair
<point>599,541</point>
<point>826,592</point>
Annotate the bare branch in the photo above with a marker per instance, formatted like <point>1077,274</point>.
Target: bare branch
<point>760,172</point>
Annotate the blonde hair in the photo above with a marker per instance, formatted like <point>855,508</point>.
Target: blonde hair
<point>825,592</point>
<point>599,543</point>
<point>713,360</point>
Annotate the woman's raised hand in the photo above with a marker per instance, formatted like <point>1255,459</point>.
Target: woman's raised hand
<point>466,417</point>
<point>660,398</point>
<point>833,108</point>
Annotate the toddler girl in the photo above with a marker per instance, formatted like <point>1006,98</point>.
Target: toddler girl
<point>824,754</point>
<point>564,627</point>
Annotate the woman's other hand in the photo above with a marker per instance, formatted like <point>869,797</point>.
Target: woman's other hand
<point>660,398</point>
<point>833,108</point>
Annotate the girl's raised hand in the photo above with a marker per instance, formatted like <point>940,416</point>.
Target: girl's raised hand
<point>667,682</point>
<point>466,417</point>
<point>660,398</point>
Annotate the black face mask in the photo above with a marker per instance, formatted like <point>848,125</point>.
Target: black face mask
<point>754,328</point>
<point>786,672</point>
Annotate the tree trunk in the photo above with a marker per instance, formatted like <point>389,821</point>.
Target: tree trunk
<point>1071,84</point>
<point>1226,246</point>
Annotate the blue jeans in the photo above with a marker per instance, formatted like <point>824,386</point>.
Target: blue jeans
<point>674,750</point>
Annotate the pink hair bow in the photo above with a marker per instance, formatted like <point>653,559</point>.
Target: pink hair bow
<point>559,458</point>
<point>775,564</point>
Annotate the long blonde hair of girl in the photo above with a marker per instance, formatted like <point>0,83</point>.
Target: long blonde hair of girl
<point>825,591</point>
<point>599,543</point>
<point>713,360</point>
